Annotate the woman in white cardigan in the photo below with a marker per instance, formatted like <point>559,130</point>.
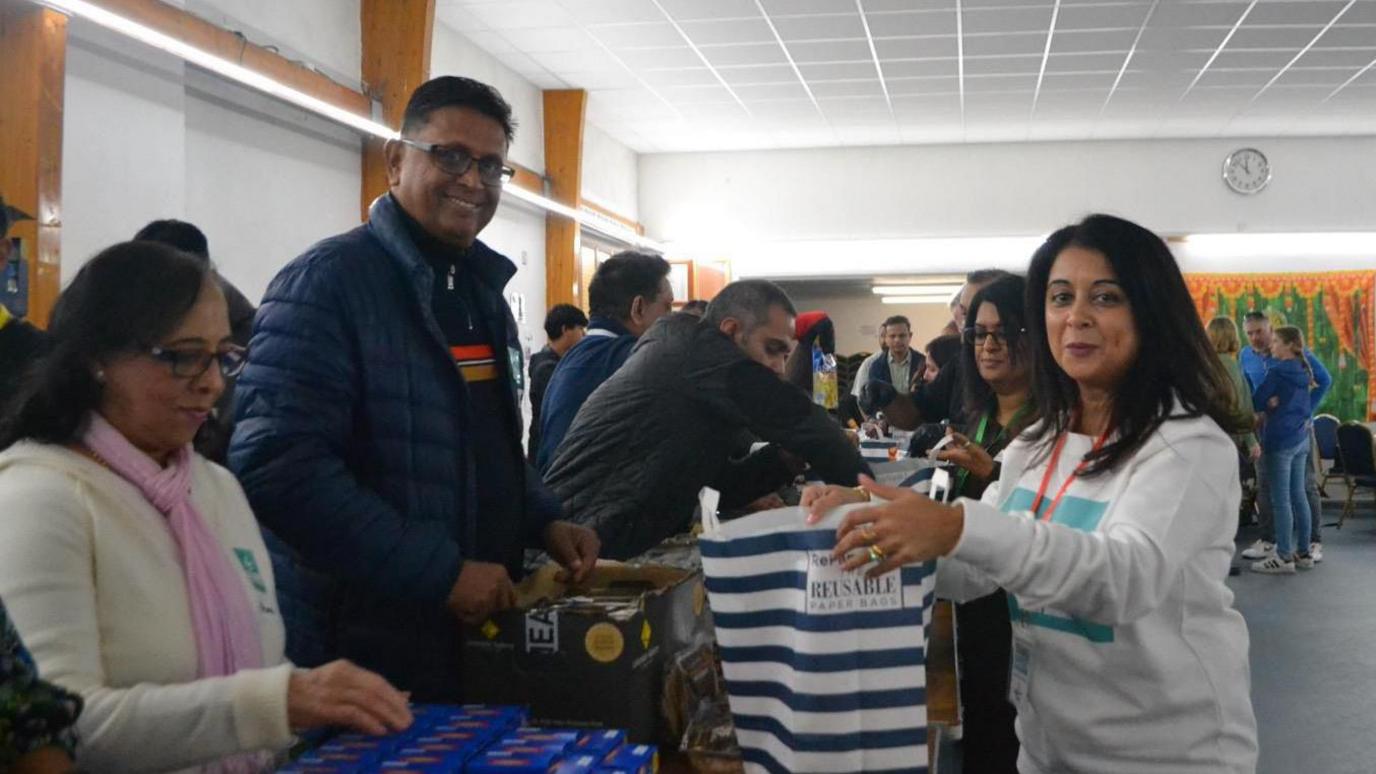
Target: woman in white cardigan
<point>132,567</point>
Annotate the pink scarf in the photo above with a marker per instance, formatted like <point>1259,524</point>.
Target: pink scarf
<point>226,627</point>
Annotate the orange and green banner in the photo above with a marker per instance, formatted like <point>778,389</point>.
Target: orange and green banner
<point>1333,309</point>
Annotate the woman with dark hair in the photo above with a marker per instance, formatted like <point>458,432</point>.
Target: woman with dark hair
<point>132,566</point>
<point>1110,526</point>
<point>941,352</point>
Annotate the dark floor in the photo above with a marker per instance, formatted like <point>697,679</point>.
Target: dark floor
<point>1314,652</point>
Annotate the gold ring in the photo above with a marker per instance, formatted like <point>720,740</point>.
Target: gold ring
<point>876,554</point>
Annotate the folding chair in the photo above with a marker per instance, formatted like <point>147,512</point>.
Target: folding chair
<point>1326,447</point>
<point>1357,450</point>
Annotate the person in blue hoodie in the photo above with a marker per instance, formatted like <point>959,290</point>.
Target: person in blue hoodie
<point>1284,397</point>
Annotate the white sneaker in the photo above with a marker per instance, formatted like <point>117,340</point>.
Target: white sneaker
<point>1316,551</point>
<point>1304,562</point>
<point>1259,550</point>
<point>1274,565</point>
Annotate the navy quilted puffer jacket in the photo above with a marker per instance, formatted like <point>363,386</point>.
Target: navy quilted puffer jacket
<point>351,443</point>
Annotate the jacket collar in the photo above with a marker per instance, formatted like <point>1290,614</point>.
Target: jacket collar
<point>387,221</point>
<point>610,324</point>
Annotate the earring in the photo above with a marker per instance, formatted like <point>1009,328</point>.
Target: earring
<point>100,375</point>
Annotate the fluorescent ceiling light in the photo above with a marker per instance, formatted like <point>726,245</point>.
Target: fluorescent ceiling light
<point>255,80</point>
<point>916,299</point>
<point>870,257</point>
<point>945,291</point>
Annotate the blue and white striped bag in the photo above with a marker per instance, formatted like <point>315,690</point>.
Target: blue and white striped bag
<point>826,670</point>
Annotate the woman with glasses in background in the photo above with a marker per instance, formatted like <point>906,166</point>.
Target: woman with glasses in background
<point>133,567</point>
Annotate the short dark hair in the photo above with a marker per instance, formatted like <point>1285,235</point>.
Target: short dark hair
<point>1008,294</point>
<point>1175,360</point>
<point>453,91</point>
<point>748,301</point>
<point>176,233</point>
<point>944,350</point>
<point>898,319</point>
<point>621,278</point>
<point>124,300</point>
<point>1255,316</point>
<point>985,276</point>
<point>697,306</point>
<point>562,317</point>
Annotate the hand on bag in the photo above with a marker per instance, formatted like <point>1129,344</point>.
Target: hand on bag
<point>483,588</point>
<point>820,500</point>
<point>574,547</point>
<point>341,694</point>
<point>908,528</point>
<point>970,456</point>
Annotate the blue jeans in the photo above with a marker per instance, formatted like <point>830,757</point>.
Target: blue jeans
<point>1311,489</point>
<point>1285,471</point>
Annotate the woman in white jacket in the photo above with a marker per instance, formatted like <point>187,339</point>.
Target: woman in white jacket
<point>1111,525</point>
<point>132,567</point>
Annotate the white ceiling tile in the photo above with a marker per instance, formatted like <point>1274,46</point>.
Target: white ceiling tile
<point>710,33</point>
<point>689,76</point>
<point>918,68</point>
<point>917,48</point>
<point>847,89</point>
<point>838,71</point>
<point>612,11</point>
<point>637,35</point>
<point>1062,81</point>
<point>1001,83</point>
<point>807,7</point>
<point>685,10</point>
<point>1033,18</point>
<point>912,23</point>
<point>757,74</point>
<point>1223,14</point>
<point>884,6</point>
<point>1002,65</point>
<point>785,110</point>
<point>910,86</point>
<point>660,58</point>
<point>1273,37</point>
<point>1331,79</point>
<point>834,27</point>
<point>1214,78</point>
<point>745,54</point>
<point>1346,37</point>
<point>522,14</point>
<point>1160,38</point>
<point>697,95</point>
<point>1079,63</point>
<point>583,60</point>
<point>830,51</point>
<point>535,40</point>
<point>1272,58</point>
<point>771,91</point>
<point>1012,43</point>
<point>1092,40</point>
<point>854,105</point>
<point>1353,58</point>
<point>593,80</point>
<point>1095,17</point>
<point>1314,12</point>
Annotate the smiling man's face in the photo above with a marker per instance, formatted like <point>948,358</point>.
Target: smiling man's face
<point>451,208</point>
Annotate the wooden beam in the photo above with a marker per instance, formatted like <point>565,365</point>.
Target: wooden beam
<point>396,59</point>
<point>33,62</point>
<point>606,213</point>
<point>563,118</point>
<point>197,32</point>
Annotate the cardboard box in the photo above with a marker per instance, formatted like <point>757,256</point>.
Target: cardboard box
<point>592,656</point>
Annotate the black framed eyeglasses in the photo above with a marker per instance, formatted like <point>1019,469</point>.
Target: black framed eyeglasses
<point>457,161</point>
<point>976,336</point>
<point>191,363</point>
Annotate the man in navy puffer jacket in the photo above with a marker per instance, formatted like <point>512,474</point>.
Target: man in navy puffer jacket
<point>378,426</point>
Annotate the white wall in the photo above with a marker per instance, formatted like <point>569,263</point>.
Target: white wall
<point>323,34</point>
<point>453,54</point>
<point>1171,186</point>
<point>857,319</point>
<point>611,173</point>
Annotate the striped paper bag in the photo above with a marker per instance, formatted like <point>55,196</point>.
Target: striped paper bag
<point>826,670</point>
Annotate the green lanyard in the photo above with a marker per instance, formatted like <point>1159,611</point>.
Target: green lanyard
<point>964,473</point>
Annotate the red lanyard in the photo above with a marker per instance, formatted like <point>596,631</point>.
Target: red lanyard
<point>1051,469</point>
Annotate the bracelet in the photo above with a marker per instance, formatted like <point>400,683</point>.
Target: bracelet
<point>863,492</point>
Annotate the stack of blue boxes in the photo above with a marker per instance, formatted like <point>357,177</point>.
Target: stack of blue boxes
<point>478,739</point>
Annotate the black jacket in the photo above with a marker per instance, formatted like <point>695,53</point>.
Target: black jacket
<point>663,427</point>
<point>20,345</point>
<point>542,365</point>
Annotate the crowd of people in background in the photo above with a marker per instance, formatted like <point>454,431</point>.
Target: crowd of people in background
<point>225,525</point>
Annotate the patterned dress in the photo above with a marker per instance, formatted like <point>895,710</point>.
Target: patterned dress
<point>33,714</point>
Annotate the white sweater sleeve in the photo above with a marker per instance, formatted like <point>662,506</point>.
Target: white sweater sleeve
<point>46,580</point>
<point>1166,514</point>
<point>958,581</point>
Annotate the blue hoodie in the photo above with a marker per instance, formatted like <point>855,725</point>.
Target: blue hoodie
<point>1288,423</point>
